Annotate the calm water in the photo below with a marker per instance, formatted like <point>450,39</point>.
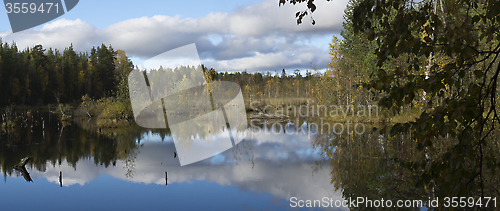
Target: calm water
<point>75,167</point>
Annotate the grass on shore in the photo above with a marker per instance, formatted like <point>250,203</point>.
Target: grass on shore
<point>108,112</point>
<point>114,112</point>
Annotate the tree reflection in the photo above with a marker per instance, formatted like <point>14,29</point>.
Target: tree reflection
<point>130,163</point>
<point>24,173</point>
<point>373,165</point>
<point>53,142</point>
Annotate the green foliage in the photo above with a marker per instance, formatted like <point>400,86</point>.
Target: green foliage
<point>449,61</point>
<point>108,112</point>
<point>123,68</point>
<point>268,89</point>
<point>440,59</point>
<point>38,76</point>
<point>352,61</point>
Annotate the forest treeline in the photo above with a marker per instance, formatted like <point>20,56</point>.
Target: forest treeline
<point>37,76</point>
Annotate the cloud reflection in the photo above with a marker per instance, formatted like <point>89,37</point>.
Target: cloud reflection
<point>283,165</point>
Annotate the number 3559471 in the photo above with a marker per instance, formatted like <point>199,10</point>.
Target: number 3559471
<point>32,7</point>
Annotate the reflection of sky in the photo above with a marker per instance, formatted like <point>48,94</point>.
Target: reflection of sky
<point>108,193</point>
<point>262,172</point>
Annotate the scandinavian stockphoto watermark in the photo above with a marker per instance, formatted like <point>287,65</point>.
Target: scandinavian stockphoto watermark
<point>205,118</point>
<point>25,14</point>
<point>350,116</point>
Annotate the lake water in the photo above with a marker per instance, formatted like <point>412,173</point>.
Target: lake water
<point>75,166</point>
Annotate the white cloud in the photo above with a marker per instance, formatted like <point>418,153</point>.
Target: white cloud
<point>58,34</point>
<point>259,37</point>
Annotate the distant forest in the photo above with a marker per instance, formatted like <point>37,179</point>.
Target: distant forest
<point>37,76</point>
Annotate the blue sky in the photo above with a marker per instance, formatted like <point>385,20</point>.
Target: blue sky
<point>230,35</point>
<point>104,13</point>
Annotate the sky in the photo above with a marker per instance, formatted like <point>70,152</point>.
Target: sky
<point>230,36</point>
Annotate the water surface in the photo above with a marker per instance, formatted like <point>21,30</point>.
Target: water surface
<point>75,166</point>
